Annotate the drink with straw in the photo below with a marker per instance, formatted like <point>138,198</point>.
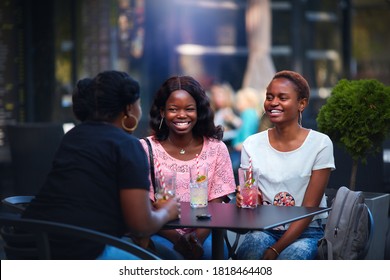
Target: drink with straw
<point>248,188</point>
<point>198,186</point>
<point>164,192</point>
<point>165,183</point>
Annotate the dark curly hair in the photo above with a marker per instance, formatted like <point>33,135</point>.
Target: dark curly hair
<point>300,83</point>
<point>104,97</point>
<point>205,123</point>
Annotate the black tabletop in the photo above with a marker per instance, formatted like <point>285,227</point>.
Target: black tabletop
<point>229,216</point>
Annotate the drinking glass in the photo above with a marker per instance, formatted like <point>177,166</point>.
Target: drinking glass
<point>165,185</point>
<point>198,186</point>
<point>248,188</point>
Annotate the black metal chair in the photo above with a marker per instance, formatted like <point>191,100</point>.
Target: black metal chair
<point>31,241</point>
<point>27,239</point>
<point>17,203</point>
<point>232,246</point>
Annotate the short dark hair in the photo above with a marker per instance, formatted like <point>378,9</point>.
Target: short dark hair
<point>104,97</point>
<point>205,124</point>
<point>300,83</point>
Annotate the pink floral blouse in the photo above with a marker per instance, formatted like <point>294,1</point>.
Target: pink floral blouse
<point>214,153</point>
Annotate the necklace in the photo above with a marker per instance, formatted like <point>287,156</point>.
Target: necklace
<point>182,150</point>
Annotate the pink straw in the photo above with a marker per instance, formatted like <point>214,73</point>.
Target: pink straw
<point>160,173</point>
<point>250,182</point>
<point>250,171</point>
<point>197,164</point>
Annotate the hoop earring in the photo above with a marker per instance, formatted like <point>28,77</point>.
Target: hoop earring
<point>300,119</point>
<point>161,122</point>
<point>127,128</point>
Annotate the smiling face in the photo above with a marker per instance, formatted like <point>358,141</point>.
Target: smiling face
<point>180,112</point>
<point>282,103</point>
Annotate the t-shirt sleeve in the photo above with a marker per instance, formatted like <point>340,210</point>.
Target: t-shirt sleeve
<point>325,157</point>
<point>133,166</point>
<point>253,142</point>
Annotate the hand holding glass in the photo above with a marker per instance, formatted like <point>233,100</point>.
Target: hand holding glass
<point>248,188</point>
<point>165,185</point>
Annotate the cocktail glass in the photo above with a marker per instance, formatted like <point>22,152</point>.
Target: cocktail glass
<point>248,188</point>
<point>165,185</point>
<point>198,186</point>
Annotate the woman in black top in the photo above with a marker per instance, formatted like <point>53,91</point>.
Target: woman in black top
<point>89,184</point>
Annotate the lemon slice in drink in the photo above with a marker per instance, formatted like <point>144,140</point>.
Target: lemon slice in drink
<point>201,178</point>
<point>249,182</point>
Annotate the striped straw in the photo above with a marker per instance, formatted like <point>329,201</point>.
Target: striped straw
<point>162,178</point>
<point>250,201</point>
<point>197,164</point>
<point>250,171</point>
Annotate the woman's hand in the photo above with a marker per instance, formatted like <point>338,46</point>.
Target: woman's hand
<point>270,254</point>
<point>183,246</point>
<point>171,205</point>
<point>239,197</point>
<point>189,246</point>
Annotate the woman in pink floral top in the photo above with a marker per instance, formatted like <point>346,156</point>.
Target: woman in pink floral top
<point>182,124</point>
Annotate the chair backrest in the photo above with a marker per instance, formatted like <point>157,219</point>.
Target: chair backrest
<point>32,147</point>
<point>17,203</point>
<point>28,239</point>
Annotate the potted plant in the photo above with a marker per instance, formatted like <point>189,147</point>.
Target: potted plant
<point>357,117</point>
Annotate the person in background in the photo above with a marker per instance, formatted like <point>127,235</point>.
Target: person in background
<point>182,124</point>
<point>222,100</point>
<point>294,165</point>
<point>99,179</point>
<point>247,104</point>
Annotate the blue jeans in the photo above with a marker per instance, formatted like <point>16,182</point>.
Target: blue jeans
<point>255,243</point>
<point>207,245</point>
<point>113,253</point>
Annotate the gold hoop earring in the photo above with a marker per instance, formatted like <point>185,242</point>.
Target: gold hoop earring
<point>161,122</point>
<point>127,128</point>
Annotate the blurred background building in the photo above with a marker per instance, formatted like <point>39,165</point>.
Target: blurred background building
<point>47,45</point>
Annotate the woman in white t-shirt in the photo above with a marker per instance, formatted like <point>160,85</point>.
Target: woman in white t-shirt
<point>292,165</point>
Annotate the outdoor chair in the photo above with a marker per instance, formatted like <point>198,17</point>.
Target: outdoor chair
<point>27,239</point>
<point>31,241</point>
<point>17,203</point>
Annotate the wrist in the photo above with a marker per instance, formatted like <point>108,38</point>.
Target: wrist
<point>274,250</point>
<point>164,214</point>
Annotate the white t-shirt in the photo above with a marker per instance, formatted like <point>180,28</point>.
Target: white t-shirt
<point>284,176</point>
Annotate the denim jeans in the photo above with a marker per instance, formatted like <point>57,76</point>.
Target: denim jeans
<point>207,245</point>
<point>113,253</point>
<point>255,243</point>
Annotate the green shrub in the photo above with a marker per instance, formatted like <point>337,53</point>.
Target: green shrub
<point>357,117</point>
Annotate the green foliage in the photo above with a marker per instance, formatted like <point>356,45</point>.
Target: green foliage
<point>357,116</point>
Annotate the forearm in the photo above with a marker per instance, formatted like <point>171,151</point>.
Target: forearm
<point>150,224</point>
<point>158,218</point>
<point>141,218</point>
<point>293,232</point>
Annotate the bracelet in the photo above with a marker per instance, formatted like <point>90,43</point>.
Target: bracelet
<point>273,249</point>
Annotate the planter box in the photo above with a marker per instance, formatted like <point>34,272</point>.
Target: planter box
<point>379,206</point>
